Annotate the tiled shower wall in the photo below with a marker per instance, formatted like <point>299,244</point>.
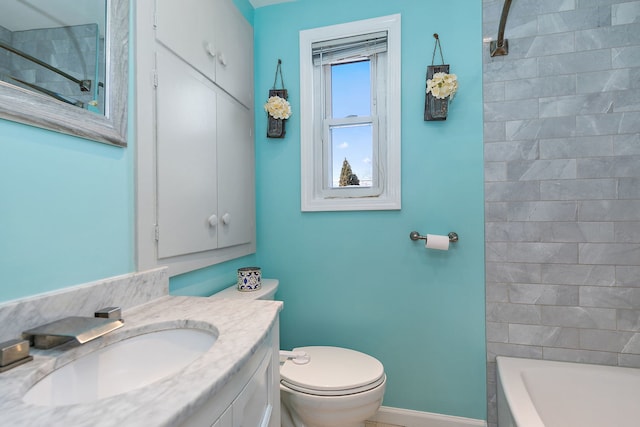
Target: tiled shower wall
<point>562,183</point>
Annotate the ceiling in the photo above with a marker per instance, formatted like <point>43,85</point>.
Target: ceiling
<point>259,3</point>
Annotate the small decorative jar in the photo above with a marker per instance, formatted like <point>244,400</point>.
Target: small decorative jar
<point>249,279</point>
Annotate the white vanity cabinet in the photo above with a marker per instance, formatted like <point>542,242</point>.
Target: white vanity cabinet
<point>195,155</point>
<point>251,398</point>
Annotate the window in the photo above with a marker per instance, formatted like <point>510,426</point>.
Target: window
<point>350,116</point>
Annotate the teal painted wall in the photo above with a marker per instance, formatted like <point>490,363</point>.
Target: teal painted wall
<point>354,279</point>
<point>66,209</point>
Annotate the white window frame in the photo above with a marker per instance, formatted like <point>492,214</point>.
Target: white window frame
<point>387,194</point>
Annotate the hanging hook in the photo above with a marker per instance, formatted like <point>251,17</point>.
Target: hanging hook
<point>435,47</point>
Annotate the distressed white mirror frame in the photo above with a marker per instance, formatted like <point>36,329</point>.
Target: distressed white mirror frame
<point>24,106</point>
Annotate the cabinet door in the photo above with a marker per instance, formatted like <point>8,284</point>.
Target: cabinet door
<point>225,420</point>
<point>254,404</point>
<point>186,28</point>
<point>186,158</point>
<point>236,173</point>
<point>234,52</point>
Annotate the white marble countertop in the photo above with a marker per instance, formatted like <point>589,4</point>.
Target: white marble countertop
<point>242,326</point>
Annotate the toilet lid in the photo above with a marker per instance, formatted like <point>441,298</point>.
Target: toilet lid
<point>332,371</point>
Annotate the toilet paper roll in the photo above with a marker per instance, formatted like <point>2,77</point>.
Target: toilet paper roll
<point>435,241</point>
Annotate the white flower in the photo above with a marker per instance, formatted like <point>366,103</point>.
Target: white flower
<point>442,85</point>
<point>278,108</point>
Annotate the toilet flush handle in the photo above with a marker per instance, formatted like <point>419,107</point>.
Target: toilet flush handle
<point>297,357</point>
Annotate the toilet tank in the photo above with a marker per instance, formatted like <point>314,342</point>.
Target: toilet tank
<point>266,292</point>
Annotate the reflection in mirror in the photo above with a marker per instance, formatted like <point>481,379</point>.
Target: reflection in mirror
<point>63,66</point>
<point>55,48</point>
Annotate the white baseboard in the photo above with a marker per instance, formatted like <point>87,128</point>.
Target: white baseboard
<point>410,418</point>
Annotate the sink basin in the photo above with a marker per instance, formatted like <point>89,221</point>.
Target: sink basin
<point>120,367</point>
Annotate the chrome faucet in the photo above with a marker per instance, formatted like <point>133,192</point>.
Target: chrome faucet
<point>79,329</point>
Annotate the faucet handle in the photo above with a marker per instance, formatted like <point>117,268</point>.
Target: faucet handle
<point>109,313</point>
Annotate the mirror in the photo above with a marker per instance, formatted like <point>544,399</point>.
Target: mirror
<point>64,66</point>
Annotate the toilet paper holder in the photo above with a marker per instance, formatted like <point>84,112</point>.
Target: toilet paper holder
<point>414,235</point>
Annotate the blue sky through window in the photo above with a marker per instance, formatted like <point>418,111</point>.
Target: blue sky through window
<point>351,96</point>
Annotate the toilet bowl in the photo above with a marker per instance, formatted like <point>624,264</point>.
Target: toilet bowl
<point>338,387</point>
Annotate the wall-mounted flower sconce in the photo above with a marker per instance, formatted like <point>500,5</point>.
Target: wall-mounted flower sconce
<point>441,87</point>
<point>277,107</point>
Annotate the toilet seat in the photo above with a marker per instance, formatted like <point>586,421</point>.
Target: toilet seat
<point>332,371</point>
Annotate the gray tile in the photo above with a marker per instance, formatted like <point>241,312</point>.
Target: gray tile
<point>544,336</point>
<point>562,253</point>
<point>628,100</point>
<point>509,191</point>
<point>495,171</point>
<point>554,127</point>
<point>598,340</point>
<point>543,294</point>
<point>625,13</point>
<point>523,170</point>
<point>627,275</point>
<point>604,81</point>
<point>496,292</point>
<point>497,70</point>
<point>551,44</point>
<point>628,320</point>
<point>495,211</point>
<point>627,232</point>
<point>494,131</point>
<point>513,272</point>
<point>608,167</point>
<point>579,317</point>
<point>540,87</point>
<point>592,103</point>
<point>574,274</point>
<point>581,356</point>
<point>493,92</point>
<point>629,360</point>
<point>512,350</point>
<point>574,20</point>
<point>610,297</point>
<point>630,122</point>
<point>606,37</point>
<point>629,188</point>
<point>513,150</point>
<point>609,210</point>
<point>577,147</point>
<point>510,110</point>
<point>497,332</point>
<point>633,345</point>
<point>625,57</point>
<point>579,189</point>
<point>542,211</point>
<point>609,253</point>
<point>569,63</point>
<point>598,124</point>
<point>513,313</point>
<point>551,232</point>
<point>628,145</point>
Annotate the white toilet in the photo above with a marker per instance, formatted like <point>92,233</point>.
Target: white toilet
<point>338,387</point>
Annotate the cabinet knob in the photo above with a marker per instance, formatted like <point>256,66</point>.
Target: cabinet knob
<point>222,60</point>
<point>226,219</point>
<point>213,220</point>
<point>210,49</point>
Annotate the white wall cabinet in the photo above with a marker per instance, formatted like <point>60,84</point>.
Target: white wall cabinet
<point>212,36</point>
<point>195,154</point>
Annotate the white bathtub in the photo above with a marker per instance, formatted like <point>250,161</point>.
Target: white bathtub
<point>541,393</point>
